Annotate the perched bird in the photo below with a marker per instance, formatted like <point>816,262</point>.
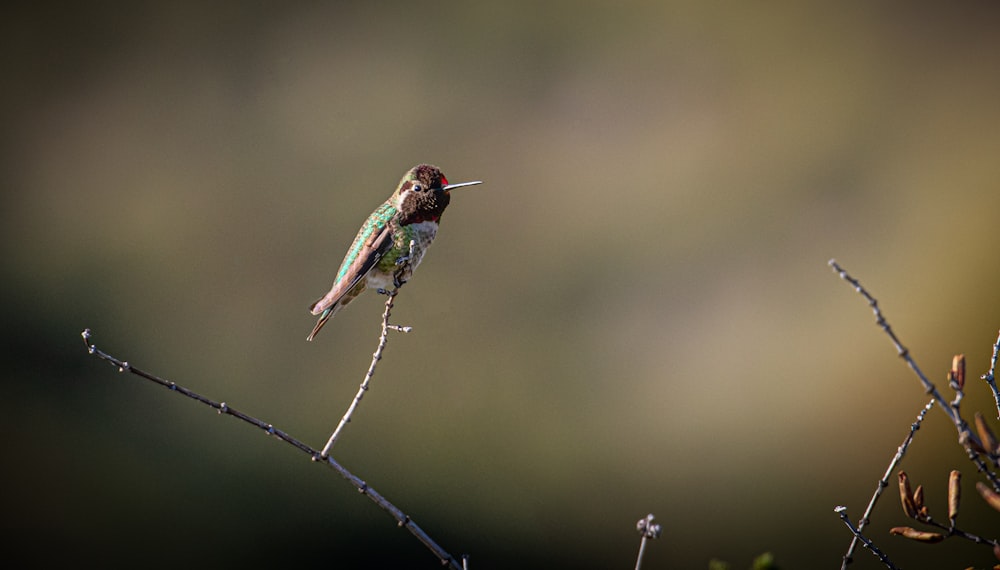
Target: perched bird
<point>381,256</point>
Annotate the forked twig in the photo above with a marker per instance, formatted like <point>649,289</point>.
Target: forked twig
<point>968,439</point>
<point>402,518</point>
<point>904,353</point>
<point>883,483</point>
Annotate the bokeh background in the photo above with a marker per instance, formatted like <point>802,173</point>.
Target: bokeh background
<point>634,314</point>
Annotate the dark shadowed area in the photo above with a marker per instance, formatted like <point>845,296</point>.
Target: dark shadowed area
<point>633,314</point>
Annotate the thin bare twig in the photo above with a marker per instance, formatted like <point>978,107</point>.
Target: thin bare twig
<point>884,482</point>
<point>402,518</point>
<point>865,541</point>
<point>376,357</point>
<point>904,353</point>
<point>991,378</point>
<point>951,530</point>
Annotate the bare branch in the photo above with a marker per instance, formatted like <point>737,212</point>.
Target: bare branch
<point>865,541</point>
<point>904,353</point>
<point>402,518</point>
<point>884,482</point>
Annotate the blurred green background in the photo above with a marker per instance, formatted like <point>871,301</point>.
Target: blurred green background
<point>634,314</point>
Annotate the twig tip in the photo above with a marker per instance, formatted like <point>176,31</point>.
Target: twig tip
<point>647,529</point>
<point>86,340</point>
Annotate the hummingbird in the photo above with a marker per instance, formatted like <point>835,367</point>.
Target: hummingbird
<point>391,242</point>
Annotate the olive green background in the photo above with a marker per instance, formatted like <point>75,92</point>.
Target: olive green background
<point>633,314</point>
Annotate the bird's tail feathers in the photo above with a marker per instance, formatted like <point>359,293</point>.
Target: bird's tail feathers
<point>319,324</point>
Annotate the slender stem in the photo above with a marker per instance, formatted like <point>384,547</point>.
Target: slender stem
<point>376,357</point>
<point>884,482</point>
<point>904,353</point>
<point>865,541</point>
<point>951,530</point>
<point>991,378</point>
<point>642,552</point>
<point>401,518</point>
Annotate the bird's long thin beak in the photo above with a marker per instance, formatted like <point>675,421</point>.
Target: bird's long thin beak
<point>460,184</point>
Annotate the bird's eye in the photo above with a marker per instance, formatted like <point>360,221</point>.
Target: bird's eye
<point>417,188</point>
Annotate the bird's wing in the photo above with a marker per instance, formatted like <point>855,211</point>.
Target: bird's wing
<point>366,254</point>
